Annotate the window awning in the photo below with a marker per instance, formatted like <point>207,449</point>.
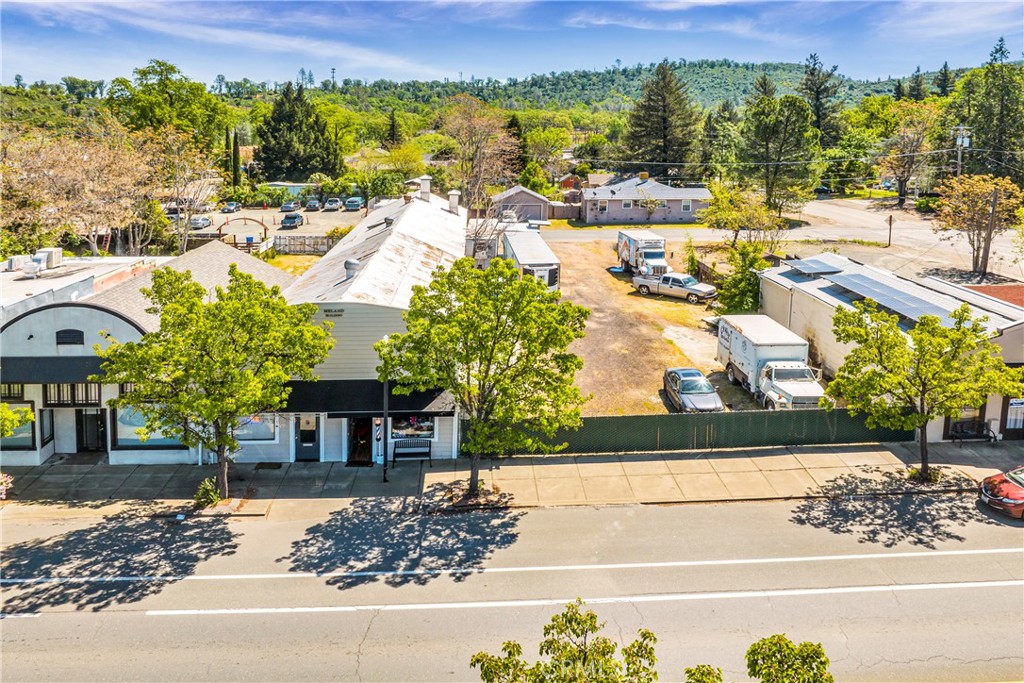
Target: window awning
<point>362,398</point>
<point>48,369</point>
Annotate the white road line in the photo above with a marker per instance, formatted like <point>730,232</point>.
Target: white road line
<point>19,615</point>
<point>667,597</point>
<point>458,571</point>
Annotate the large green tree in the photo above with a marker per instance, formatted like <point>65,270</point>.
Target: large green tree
<point>978,208</point>
<point>777,659</point>
<point>740,291</point>
<point>904,380</point>
<point>720,141</point>
<point>213,366</point>
<point>498,342</point>
<point>160,95</point>
<point>294,141</point>
<point>780,150</point>
<point>944,80</point>
<point>820,88</point>
<point>663,129</point>
<point>906,151</point>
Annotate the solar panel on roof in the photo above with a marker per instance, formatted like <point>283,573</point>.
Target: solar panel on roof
<point>812,267</point>
<point>907,305</point>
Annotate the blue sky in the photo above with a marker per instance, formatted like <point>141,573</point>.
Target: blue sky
<point>270,41</point>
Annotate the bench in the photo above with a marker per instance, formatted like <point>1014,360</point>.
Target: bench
<point>413,449</point>
<point>972,429</point>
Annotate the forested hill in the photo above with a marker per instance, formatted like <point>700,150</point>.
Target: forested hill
<point>614,88</point>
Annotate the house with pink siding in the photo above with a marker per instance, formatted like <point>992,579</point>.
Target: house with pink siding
<point>643,200</point>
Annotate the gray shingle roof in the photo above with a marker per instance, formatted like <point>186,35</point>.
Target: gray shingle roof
<point>209,267</point>
<point>515,189</point>
<point>635,188</point>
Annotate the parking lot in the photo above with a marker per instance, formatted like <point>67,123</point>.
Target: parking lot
<point>255,221</point>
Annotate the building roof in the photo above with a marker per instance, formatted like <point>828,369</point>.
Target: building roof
<point>599,179</point>
<point>837,280</point>
<point>516,189</point>
<point>1011,293</point>
<point>761,329</point>
<point>530,247</point>
<point>645,188</point>
<point>209,267</point>
<point>398,245</point>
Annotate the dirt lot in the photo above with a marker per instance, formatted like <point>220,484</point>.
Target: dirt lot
<point>631,339</point>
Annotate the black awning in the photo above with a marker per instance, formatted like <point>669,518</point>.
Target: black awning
<point>362,398</point>
<point>48,369</point>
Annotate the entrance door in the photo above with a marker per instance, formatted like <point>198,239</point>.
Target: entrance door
<point>90,430</point>
<point>307,438</point>
<point>360,441</point>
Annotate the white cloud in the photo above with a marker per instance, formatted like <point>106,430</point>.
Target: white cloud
<point>588,20</point>
<point>945,20</point>
<point>683,5</point>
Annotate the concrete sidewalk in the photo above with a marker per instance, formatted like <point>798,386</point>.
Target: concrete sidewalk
<point>88,483</point>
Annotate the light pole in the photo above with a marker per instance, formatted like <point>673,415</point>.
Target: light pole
<point>963,139</point>
<point>386,428</point>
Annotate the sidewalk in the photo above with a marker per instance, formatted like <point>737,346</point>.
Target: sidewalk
<point>87,483</point>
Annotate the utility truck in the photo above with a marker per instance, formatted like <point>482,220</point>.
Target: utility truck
<point>768,360</point>
<point>642,252</point>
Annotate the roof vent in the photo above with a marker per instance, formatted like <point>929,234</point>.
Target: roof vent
<point>644,175</point>
<point>352,266</point>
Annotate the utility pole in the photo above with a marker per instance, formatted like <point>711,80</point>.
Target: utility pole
<point>988,236</point>
<point>963,139</point>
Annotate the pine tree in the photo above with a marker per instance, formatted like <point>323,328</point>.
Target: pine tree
<point>917,89</point>
<point>236,162</point>
<point>663,127</point>
<point>944,80</point>
<point>764,86</point>
<point>227,150</point>
<point>394,138</point>
<point>898,92</point>
<point>820,88</point>
<point>519,154</point>
<point>295,141</point>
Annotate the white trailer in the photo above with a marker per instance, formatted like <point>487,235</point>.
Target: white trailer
<point>642,252</point>
<point>768,360</point>
<point>532,256</point>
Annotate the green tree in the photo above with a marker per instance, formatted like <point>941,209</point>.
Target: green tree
<point>519,154</point>
<point>776,659</point>
<point>944,81</point>
<point>394,137</point>
<point>898,91</point>
<point>498,343</point>
<point>850,161</point>
<point>966,210</point>
<point>740,292</point>
<point>384,183</point>
<point>594,148</point>
<point>577,654</point>
<point>820,88</point>
<point>536,178</point>
<point>664,127</point>
<point>703,673</point>
<point>905,153</point>
<point>160,95</point>
<point>780,148</point>
<point>545,146</point>
<point>763,86</point>
<point>294,142</point>
<point>236,161</point>
<point>720,142</point>
<point>904,380</point>
<point>213,366</point>
<point>12,418</point>
<point>917,89</point>
<point>735,210</point>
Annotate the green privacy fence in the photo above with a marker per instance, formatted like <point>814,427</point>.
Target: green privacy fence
<point>702,431</point>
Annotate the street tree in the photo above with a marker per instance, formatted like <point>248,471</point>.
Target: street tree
<point>737,211</point>
<point>905,153</point>
<point>777,659</point>
<point>577,653</point>
<point>740,291</point>
<point>703,673</point>
<point>820,88</point>
<point>214,366</point>
<point>294,140</point>
<point>978,208</point>
<point>904,380</point>
<point>780,150</point>
<point>663,130</point>
<point>498,343</point>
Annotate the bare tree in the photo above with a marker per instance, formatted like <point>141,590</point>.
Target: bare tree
<point>483,146</point>
<point>905,153</point>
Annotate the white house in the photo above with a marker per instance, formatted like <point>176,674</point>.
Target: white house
<point>803,295</point>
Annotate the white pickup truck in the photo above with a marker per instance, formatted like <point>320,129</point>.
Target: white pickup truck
<point>678,285</point>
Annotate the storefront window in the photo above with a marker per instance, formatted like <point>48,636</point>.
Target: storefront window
<point>45,426</point>
<point>1015,414</point>
<point>412,427</point>
<point>127,421</point>
<point>257,428</point>
<point>24,437</point>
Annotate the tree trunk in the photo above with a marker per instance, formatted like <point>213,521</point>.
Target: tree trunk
<point>922,435</point>
<point>901,189</point>
<point>222,472</point>
<point>474,475</point>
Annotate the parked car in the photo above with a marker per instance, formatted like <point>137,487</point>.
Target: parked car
<point>312,205</point>
<point>200,222</point>
<point>332,204</point>
<point>354,203</point>
<point>294,205</point>
<point>1005,492</point>
<point>231,207</point>
<point>689,391</point>
<point>675,284</point>
<point>292,220</point>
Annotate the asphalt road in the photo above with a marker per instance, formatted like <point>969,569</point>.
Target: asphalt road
<point>897,589</point>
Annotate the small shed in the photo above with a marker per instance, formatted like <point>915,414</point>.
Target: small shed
<point>532,256</point>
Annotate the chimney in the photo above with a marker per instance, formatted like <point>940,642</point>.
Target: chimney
<point>351,266</point>
<point>425,188</point>
<point>453,201</point>
<point>644,175</point>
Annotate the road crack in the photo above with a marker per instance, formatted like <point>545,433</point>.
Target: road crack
<point>359,648</point>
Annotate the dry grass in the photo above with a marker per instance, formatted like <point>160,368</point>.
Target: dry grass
<point>295,264</point>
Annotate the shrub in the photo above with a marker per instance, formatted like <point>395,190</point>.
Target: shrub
<point>207,494</point>
<point>6,484</point>
<point>339,232</point>
<point>692,262</point>
<point>927,204</point>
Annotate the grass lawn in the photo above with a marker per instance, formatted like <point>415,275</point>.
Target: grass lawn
<point>296,264</point>
<point>867,193</point>
<point>573,223</point>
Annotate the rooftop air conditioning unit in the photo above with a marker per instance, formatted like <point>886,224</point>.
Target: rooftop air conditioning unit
<point>15,262</point>
<point>53,256</point>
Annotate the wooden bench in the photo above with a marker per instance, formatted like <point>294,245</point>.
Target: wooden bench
<point>413,449</point>
<point>973,429</point>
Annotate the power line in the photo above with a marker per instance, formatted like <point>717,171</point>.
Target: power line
<point>762,163</point>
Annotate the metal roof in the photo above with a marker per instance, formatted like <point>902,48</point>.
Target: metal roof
<point>530,248</point>
<point>812,266</point>
<point>897,301</point>
<point>636,188</point>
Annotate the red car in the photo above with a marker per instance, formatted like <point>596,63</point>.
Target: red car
<point>1005,492</point>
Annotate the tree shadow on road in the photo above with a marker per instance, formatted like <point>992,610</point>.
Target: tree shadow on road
<point>121,559</point>
<point>876,507</point>
<point>392,540</point>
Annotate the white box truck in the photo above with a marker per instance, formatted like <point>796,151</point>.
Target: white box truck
<point>768,360</point>
<point>642,252</point>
